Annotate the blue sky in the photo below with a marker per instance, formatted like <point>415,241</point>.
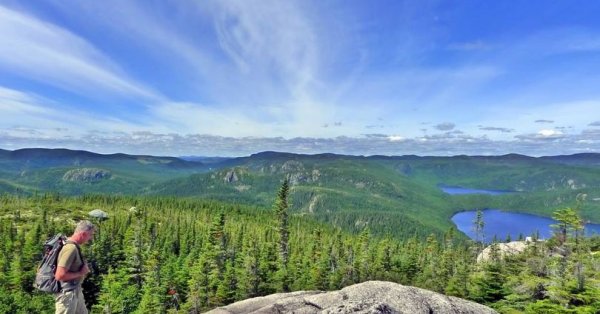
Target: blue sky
<point>232,78</point>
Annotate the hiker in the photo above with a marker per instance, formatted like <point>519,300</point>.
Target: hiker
<point>71,271</point>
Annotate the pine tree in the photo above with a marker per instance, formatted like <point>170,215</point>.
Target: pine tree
<point>363,265</point>
<point>572,248</point>
<point>430,277</point>
<point>478,225</point>
<point>458,284</point>
<point>228,287</point>
<point>320,263</point>
<point>281,212</point>
<point>490,287</point>
<point>250,279</point>
<point>134,247</point>
<point>198,285</point>
<point>216,255</point>
<point>568,221</point>
<point>268,268</point>
<point>153,296</point>
<point>383,262</point>
<point>116,293</point>
<point>337,262</point>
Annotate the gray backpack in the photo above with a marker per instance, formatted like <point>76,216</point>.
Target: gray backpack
<point>44,278</point>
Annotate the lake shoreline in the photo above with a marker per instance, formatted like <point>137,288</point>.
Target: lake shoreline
<point>503,223</point>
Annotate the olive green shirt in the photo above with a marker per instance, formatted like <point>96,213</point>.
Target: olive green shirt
<point>70,259</point>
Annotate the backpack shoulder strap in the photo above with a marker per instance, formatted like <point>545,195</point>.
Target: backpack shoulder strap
<point>77,246</point>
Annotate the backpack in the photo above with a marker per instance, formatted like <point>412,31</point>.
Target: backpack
<point>44,277</point>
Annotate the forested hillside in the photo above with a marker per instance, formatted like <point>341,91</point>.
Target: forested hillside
<point>398,196</point>
<point>542,184</point>
<point>27,171</point>
<point>160,254</point>
<point>343,191</point>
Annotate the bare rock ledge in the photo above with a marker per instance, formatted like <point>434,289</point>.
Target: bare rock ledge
<point>367,297</point>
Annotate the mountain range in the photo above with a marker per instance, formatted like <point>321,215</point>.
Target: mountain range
<point>394,195</point>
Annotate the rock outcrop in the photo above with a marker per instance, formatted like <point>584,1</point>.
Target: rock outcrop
<point>367,297</point>
<point>505,249</point>
<point>230,177</point>
<point>295,171</point>
<point>86,175</point>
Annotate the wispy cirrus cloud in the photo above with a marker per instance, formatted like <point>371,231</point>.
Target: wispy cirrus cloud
<point>271,40</point>
<point>159,39</point>
<point>257,57</point>
<point>53,55</point>
<point>25,114</point>
<point>260,73</point>
<point>16,102</point>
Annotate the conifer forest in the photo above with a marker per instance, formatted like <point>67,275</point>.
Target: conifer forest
<point>300,156</point>
<point>159,254</point>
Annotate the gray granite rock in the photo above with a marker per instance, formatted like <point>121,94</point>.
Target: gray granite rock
<point>373,297</point>
<point>86,175</point>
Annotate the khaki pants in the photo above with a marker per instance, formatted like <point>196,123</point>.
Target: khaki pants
<point>70,302</point>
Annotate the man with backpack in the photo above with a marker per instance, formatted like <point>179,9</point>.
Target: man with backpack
<point>71,271</point>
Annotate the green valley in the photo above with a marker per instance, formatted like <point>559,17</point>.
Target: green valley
<point>398,196</point>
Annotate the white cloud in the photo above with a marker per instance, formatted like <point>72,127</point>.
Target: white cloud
<point>261,58</point>
<point>24,111</point>
<point>155,32</point>
<point>575,114</point>
<point>395,138</point>
<point>194,118</point>
<point>277,50</point>
<point>52,55</point>
<point>264,69</point>
<point>16,103</point>
<point>549,133</point>
<point>146,142</point>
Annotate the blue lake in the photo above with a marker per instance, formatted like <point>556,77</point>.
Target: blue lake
<point>502,223</point>
<point>457,190</point>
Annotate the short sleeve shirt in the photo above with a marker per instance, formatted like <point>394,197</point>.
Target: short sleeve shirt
<point>69,258</point>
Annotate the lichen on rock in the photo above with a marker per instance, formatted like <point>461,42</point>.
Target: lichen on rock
<point>367,297</point>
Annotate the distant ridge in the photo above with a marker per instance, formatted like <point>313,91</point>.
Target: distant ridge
<point>400,194</point>
<point>63,153</point>
<point>66,153</point>
<point>589,159</point>
<point>578,155</point>
<point>38,158</point>
<point>274,154</point>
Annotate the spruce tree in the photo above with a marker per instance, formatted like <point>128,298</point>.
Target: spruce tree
<point>153,295</point>
<point>281,214</point>
<point>478,225</point>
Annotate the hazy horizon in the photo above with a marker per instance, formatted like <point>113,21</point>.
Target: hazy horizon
<point>232,78</point>
<point>186,157</point>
